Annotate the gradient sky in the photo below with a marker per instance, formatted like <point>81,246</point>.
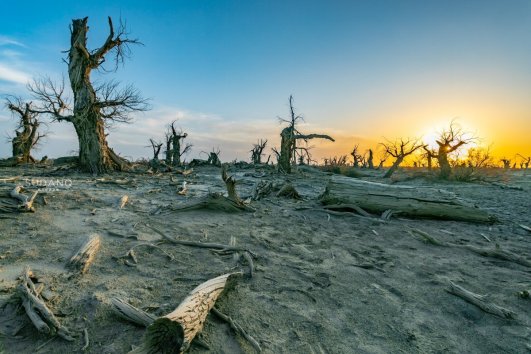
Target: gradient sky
<point>358,70</point>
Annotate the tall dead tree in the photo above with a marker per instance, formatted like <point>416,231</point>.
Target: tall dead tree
<point>399,149</point>
<point>450,140</point>
<point>26,135</point>
<point>289,137</point>
<point>506,163</point>
<point>174,142</point>
<point>257,151</point>
<point>94,109</point>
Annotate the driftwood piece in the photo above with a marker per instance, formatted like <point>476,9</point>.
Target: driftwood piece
<point>499,254</point>
<point>131,313</point>
<point>82,259</point>
<point>217,246</point>
<point>11,179</point>
<point>174,332</point>
<point>412,201</point>
<point>37,311</point>
<point>479,301</point>
<point>238,329</point>
<point>122,201</point>
<point>26,202</point>
<point>496,253</point>
<point>289,191</point>
<point>261,189</point>
<point>506,186</point>
<point>127,182</point>
<point>349,206</point>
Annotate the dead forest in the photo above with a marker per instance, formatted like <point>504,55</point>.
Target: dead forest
<point>400,248</point>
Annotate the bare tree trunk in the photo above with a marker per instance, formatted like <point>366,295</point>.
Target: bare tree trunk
<point>177,150</point>
<point>446,169</point>
<point>394,167</point>
<point>369,161</point>
<point>286,150</point>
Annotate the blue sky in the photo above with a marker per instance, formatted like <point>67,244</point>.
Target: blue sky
<point>358,70</point>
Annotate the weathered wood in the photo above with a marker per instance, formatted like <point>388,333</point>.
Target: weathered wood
<point>131,313</point>
<point>289,191</point>
<point>412,201</point>
<point>174,332</point>
<point>238,329</point>
<point>37,311</point>
<point>122,201</point>
<point>82,259</point>
<point>26,202</point>
<point>479,301</point>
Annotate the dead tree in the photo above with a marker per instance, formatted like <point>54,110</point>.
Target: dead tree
<point>524,161</point>
<point>26,136</point>
<point>174,142</point>
<point>450,140</point>
<point>506,163</point>
<point>289,136</point>
<point>355,156</point>
<point>94,109</point>
<point>429,155</point>
<point>370,159</point>
<point>213,157</point>
<point>155,162</point>
<point>257,152</point>
<point>399,149</point>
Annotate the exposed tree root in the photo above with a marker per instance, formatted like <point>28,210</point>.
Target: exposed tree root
<point>289,191</point>
<point>26,204</point>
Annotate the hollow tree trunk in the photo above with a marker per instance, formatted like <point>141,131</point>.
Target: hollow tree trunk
<point>394,167</point>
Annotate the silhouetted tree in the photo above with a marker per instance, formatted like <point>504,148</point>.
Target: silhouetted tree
<point>399,149</point>
<point>450,140</point>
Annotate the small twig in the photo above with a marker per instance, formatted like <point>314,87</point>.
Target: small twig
<point>486,238</point>
<point>237,328</point>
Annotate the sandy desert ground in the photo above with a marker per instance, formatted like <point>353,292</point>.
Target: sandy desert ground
<point>323,283</point>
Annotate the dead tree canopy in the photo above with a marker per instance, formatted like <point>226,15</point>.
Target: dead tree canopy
<point>290,135</point>
<point>26,136</point>
<point>257,151</point>
<point>450,140</point>
<point>94,109</point>
<point>174,143</point>
<point>399,149</point>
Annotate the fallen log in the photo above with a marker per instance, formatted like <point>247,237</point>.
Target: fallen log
<point>174,332</point>
<point>82,259</point>
<point>479,301</point>
<point>12,161</point>
<point>412,201</point>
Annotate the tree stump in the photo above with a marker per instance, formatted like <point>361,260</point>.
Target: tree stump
<point>173,333</point>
